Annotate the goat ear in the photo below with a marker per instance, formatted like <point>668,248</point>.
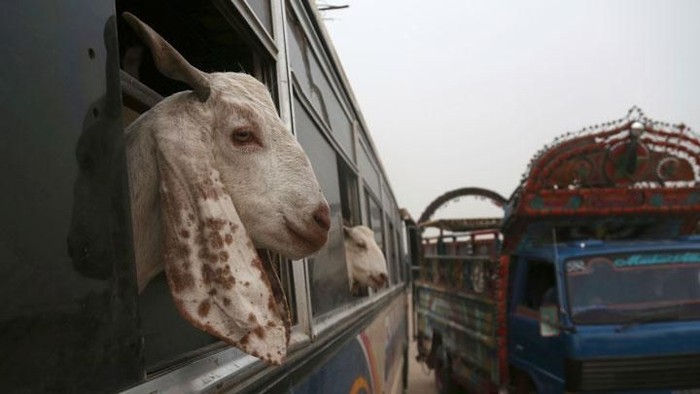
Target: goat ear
<point>217,280</point>
<point>347,231</point>
<point>169,61</point>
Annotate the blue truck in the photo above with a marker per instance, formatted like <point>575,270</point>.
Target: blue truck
<point>590,282</point>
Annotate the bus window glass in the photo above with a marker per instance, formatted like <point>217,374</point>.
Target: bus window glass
<point>367,170</point>
<point>283,268</point>
<point>374,220</point>
<point>316,86</point>
<point>402,257</point>
<point>327,268</point>
<point>262,10</point>
<point>349,194</point>
<point>188,36</point>
<point>391,258</point>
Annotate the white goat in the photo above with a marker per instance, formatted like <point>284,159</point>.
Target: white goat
<point>366,263</point>
<point>214,173</point>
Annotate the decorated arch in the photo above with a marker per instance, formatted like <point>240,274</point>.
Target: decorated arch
<point>478,192</point>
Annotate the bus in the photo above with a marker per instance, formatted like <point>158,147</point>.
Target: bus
<point>75,75</point>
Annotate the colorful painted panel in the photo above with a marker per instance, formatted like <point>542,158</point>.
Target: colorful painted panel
<point>369,363</point>
<point>458,295</point>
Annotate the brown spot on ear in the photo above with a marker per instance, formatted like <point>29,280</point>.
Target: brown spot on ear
<point>259,332</point>
<point>180,280</point>
<point>185,234</point>
<point>219,276</point>
<point>190,216</point>
<point>203,308</point>
<point>212,292</point>
<point>271,324</point>
<point>228,239</point>
<point>201,238</point>
<point>182,251</point>
<point>208,274</point>
<point>244,340</point>
<point>206,192</point>
<point>226,276</point>
<point>223,256</point>
<point>215,224</point>
<point>246,284</point>
<point>271,304</point>
<point>251,318</point>
<point>216,241</point>
<point>257,263</point>
<point>227,301</point>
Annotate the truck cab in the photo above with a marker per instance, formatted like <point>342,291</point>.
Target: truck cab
<point>606,316</point>
<point>593,283</point>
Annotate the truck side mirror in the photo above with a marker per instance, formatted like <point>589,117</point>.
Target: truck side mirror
<point>549,321</point>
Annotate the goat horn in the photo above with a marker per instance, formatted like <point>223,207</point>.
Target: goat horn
<point>169,61</point>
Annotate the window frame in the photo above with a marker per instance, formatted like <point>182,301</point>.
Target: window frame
<point>138,97</point>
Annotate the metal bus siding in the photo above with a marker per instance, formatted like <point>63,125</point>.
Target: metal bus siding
<point>75,324</point>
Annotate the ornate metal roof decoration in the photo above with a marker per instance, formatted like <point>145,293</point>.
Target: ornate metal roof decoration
<point>633,173</point>
<point>631,152</point>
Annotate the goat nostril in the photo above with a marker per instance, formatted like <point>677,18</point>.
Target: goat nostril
<point>322,217</point>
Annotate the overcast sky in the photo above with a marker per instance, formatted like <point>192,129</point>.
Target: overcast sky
<point>462,93</point>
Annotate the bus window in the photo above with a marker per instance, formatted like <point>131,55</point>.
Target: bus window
<point>349,194</point>
<point>209,41</point>
<point>374,219</point>
<point>315,85</point>
<point>328,273</point>
<point>197,30</point>
<point>263,11</point>
<point>367,169</point>
<point>392,259</point>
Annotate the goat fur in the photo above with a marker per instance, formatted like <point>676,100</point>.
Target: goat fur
<point>215,174</point>
<point>366,262</point>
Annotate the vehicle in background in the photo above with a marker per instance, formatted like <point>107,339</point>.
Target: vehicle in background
<point>590,284</point>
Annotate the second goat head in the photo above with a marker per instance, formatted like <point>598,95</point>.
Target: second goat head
<point>366,263</point>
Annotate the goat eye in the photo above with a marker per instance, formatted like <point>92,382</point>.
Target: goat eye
<point>242,136</point>
<point>362,245</point>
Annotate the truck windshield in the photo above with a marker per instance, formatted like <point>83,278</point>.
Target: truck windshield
<point>634,288</point>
